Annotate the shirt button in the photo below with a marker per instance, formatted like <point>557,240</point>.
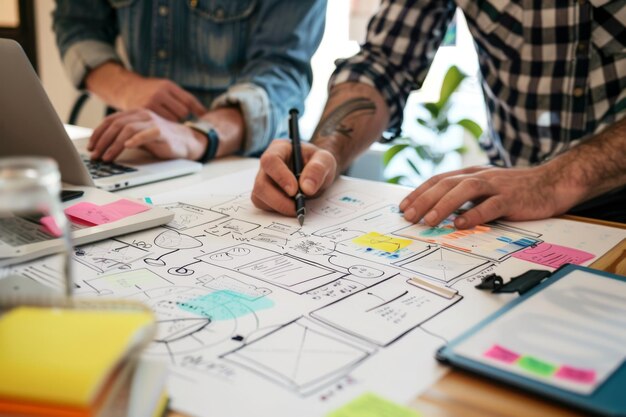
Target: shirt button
<point>193,3</point>
<point>219,13</point>
<point>164,10</point>
<point>581,2</point>
<point>578,92</point>
<point>162,54</point>
<point>582,47</point>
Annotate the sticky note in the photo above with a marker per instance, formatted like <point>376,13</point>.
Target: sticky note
<point>381,242</point>
<point>552,255</point>
<point>536,366</point>
<point>502,354</point>
<point>371,405</point>
<point>581,376</point>
<point>50,226</point>
<point>93,214</point>
<point>224,305</point>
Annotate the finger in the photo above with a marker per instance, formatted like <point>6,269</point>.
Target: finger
<point>274,165</point>
<point>490,209</point>
<point>143,138</point>
<point>431,182</point>
<point>191,103</point>
<point>425,201</point>
<point>112,131</point>
<point>267,196</point>
<point>101,128</point>
<point>176,107</point>
<point>117,146</point>
<point>318,172</point>
<point>466,190</point>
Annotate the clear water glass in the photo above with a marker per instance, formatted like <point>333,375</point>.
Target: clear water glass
<point>31,212</point>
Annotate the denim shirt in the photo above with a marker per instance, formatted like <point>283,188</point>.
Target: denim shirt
<point>252,53</point>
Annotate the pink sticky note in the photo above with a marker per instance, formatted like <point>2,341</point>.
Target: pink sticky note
<point>92,214</point>
<point>502,354</point>
<point>553,255</point>
<point>582,376</point>
<point>50,226</point>
<point>126,208</point>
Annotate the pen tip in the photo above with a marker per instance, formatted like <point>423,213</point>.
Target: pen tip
<point>301,219</point>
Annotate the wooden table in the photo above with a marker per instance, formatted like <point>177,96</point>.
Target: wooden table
<point>459,394</point>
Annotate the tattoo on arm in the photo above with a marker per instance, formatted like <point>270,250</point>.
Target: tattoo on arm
<point>334,121</point>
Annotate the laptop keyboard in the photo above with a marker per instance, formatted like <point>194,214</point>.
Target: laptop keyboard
<point>101,169</point>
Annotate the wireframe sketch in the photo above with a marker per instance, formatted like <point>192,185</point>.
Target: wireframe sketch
<point>383,313</point>
<point>171,239</point>
<point>126,283</point>
<point>109,255</point>
<point>301,356</point>
<point>229,226</point>
<point>490,241</point>
<point>192,319</point>
<point>279,269</point>
<point>187,216</point>
<point>443,264</point>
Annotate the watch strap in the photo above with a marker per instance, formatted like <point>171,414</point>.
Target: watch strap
<point>213,139</point>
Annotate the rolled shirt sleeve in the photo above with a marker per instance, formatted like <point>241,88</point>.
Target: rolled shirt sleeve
<point>85,34</point>
<point>401,43</point>
<point>255,107</point>
<point>85,55</point>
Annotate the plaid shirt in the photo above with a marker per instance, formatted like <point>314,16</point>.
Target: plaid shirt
<point>553,71</point>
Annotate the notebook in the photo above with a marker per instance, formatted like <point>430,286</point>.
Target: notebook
<point>77,362</point>
<point>564,339</point>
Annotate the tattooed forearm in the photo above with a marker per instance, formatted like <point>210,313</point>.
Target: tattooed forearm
<point>334,122</point>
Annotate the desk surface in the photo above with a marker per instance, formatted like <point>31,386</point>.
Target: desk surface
<point>457,393</point>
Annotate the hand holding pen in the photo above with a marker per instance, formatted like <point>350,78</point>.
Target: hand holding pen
<point>276,186</point>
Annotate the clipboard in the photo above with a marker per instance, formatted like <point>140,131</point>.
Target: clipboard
<point>607,399</point>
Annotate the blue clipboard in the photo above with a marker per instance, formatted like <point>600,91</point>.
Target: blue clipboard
<point>609,399</point>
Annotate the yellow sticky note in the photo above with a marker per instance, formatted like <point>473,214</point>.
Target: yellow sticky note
<point>371,405</point>
<point>61,356</point>
<point>381,242</point>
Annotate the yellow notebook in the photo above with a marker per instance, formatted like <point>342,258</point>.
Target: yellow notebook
<point>65,356</point>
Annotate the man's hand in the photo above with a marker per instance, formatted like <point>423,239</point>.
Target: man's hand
<point>276,185</point>
<point>126,90</point>
<point>144,129</point>
<point>509,193</point>
<point>163,97</point>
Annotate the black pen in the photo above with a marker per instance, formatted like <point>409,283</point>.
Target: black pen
<point>294,133</point>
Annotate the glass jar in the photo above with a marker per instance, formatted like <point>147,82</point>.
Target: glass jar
<point>32,222</point>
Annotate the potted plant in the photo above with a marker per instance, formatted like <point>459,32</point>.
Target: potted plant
<point>437,122</point>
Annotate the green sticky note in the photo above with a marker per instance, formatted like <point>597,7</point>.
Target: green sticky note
<point>536,366</point>
<point>371,405</point>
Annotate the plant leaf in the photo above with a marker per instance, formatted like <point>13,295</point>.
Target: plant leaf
<point>422,152</point>
<point>393,151</point>
<point>433,109</point>
<point>417,171</point>
<point>453,78</point>
<point>461,150</point>
<point>396,179</point>
<point>472,127</point>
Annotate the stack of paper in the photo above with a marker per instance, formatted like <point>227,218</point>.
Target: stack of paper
<point>78,363</point>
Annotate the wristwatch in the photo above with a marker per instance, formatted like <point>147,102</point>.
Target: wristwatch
<point>213,140</point>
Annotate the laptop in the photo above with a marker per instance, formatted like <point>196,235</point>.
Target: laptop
<point>29,126</point>
<point>133,167</point>
<point>36,130</point>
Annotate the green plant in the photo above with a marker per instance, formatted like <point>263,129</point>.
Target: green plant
<point>438,123</point>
